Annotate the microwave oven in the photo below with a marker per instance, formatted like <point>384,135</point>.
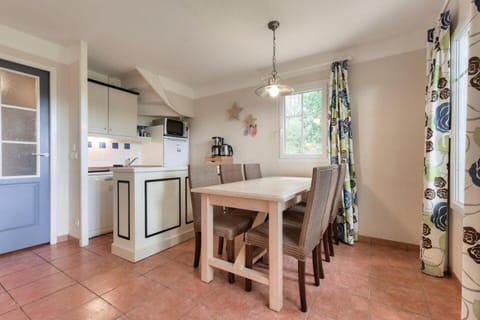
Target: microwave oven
<point>175,128</point>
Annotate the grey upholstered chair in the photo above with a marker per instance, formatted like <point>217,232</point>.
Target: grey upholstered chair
<point>299,242</point>
<point>225,225</point>
<point>231,173</point>
<point>295,215</point>
<point>337,200</point>
<point>252,171</point>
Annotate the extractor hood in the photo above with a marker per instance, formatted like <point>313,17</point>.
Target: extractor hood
<point>154,99</point>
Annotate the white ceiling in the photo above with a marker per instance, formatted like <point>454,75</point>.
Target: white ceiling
<point>197,42</point>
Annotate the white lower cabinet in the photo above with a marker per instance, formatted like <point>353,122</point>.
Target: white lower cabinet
<point>100,204</point>
<point>152,211</point>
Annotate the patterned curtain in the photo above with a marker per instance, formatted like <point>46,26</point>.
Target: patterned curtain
<point>471,220</point>
<point>340,148</point>
<point>437,150</point>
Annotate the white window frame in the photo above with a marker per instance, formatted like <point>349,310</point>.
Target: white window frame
<point>459,102</point>
<point>317,85</point>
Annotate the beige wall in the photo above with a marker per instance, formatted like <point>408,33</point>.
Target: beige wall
<point>388,112</point>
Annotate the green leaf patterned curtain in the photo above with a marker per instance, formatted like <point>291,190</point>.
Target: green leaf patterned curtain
<point>437,150</point>
<point>340,148</point>
<point>471,220</point>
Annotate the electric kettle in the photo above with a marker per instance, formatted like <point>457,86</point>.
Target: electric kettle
<point>226,150</point>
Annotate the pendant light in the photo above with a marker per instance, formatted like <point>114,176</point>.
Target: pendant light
<point>274,86</point>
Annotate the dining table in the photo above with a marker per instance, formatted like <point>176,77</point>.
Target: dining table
<point>267,196</point>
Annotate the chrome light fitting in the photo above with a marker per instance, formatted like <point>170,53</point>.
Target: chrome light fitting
<point>274,86</point>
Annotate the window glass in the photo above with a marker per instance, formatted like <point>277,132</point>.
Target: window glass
<point>303,123</point>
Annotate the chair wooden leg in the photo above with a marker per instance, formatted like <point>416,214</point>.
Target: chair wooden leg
<point>335,234</point>
<point>325,247</point>
<point>315,266</point>
<point>220,246</point>
<point>231,258</point>
<point>320,264</point>
<point>301,285</point>
<point>330,239</point>
<point>198,246</point>
<point>249,265</point>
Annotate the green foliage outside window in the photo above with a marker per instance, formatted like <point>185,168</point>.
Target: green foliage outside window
<point>303,123</point>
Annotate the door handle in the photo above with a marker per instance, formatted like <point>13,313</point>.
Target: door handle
<point>41,154</point>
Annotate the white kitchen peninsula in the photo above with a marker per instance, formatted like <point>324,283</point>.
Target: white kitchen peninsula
<point>151,210</point>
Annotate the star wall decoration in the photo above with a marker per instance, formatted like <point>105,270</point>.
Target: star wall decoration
<point>250,120</point>
<point>234,112</point>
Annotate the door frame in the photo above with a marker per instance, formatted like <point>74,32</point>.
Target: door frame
<point>53,133</point>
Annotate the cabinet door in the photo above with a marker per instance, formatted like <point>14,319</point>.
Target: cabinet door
<point>97,108</point>
<point>122,113</point>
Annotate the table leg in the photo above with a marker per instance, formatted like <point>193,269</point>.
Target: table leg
<point>207,239</point>
<point>275,247</point>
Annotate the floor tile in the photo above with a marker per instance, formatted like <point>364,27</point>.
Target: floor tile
<point>73,260</point>
<point>380,311</point>
<point>167,305</point>
<point>340,304</point>
<point>133,293</point>
<point>6,303</point>
<point>15,263</point>
<point>59,303</point>
<point>40,288</point>
<point>20,278</point>
<point>405,298</point>
<point>107,281</point>
<point>96,309</point>
<point>16,314</point>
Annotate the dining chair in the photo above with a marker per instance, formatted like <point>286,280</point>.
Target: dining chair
<point>298,242</point>
<point>295,215</point>
<point>337,202</point>
<point>225,225</point>
<point>231,173</point>
<point>252,171</point>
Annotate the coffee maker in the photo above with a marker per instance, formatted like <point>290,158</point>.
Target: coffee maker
<point>217,145</point>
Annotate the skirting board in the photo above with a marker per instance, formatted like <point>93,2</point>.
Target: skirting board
<point>65,237</point>
<point>389,243</point>
<point>151,249</point>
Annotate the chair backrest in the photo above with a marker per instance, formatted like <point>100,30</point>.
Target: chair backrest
<point>201,176</point>
<point>338,193</point>
<point>252,171</point>
<point>317,207</point>
<point>331,196</point>
<point>230,173</point>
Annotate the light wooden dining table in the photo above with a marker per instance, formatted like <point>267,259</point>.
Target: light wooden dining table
<point>270,195</point>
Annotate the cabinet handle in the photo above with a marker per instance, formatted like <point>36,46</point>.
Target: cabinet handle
<point>41,154</point>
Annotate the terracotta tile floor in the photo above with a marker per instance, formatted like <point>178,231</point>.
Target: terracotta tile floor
<point>362,282</point>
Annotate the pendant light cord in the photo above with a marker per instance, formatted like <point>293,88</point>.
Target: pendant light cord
<point>274,59</point>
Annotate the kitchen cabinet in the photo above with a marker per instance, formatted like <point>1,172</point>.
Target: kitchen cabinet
<point>111,110</point>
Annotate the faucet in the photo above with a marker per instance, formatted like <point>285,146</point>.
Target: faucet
<point>129,162</point>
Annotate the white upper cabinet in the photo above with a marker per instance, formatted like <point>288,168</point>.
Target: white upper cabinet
<point>97,108</point>
<point>111,111</point>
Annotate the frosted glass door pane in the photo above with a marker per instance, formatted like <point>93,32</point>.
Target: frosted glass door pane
<point>17,159</point>
<point>19,125</point>
<point>18,90</point>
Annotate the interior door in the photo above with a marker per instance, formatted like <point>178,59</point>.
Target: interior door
<point>24,156</point>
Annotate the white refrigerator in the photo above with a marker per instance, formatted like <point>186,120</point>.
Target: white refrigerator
<point>175,152</point>
<point>164,150</point>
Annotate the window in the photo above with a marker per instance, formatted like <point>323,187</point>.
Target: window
<point>303,124</point>
<point>459,117</point>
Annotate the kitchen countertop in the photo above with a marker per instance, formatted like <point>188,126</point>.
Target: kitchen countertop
<point>146,168</point>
